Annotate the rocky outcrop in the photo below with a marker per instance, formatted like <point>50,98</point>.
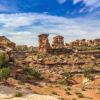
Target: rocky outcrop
<point>84,42</point>
<point>58,42</point>
<point>60,51</point>
<point>6,42</point>
<point>43,43</point>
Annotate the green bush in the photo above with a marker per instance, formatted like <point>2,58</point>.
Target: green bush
<point>5,73</point>
<point>88,74</point>
<point>18,94</point>
<point>28,77</point>
<point>67,78</point>
<point>31,74</point>
<point>2,59</point>
<point>35,74</point>
<point>68,75</point>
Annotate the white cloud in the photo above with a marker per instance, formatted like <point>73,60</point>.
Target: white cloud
<point>90,5</point>
<point>87,2</point>
<point>76,1</point>
<point>91,2</point>
<point>16,20</point>
<point>61,1</point>
<point>24,28</point>
<point>24,37</point>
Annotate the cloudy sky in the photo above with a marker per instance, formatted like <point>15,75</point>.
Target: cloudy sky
<point>23,20</point>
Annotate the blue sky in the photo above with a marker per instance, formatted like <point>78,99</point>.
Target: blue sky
<point>23,20</point>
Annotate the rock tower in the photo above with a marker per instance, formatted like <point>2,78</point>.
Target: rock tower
<point>43,43</point>
<point>58,42</point>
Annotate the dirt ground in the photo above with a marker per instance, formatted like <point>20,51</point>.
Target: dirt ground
<point>87,91</point>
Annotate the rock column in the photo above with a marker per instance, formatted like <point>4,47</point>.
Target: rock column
<point>58,42</point>
<point>43,43</point>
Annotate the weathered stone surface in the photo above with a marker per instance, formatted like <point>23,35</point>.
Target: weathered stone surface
<point>60,51</point>
<point>84,42</point>
<point>46,74</point>
<point>78,78</point>
<point>58,42</point>
<point>43,43</point>
<point>6,42</point>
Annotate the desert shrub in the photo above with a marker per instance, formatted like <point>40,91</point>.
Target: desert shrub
<point>67,78</point>
<point>36,74</point>
<point>2,59</point>
<point>53,92</point>
<point>67,92</point>
<point>42,61</point>
<point>28,77</point>
<point>26,68</point>
<point>54,58</point>
<point>5,73</point>
<point>79,94</point>
<point>18,94</point>
<point>68,88</point>
<point>31,74</point>
<point>88,74</point>
<point>68,75</point>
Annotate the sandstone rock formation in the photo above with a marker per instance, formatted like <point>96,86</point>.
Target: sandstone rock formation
<point>43,43</point>
<point>6,42</point>
<point>58,42</point>
<point>84,42</point>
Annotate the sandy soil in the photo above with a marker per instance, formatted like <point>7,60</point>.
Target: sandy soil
<point>7,93</point>
<point>91,91</point>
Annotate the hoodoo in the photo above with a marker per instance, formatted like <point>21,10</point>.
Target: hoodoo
<point>43,43</point>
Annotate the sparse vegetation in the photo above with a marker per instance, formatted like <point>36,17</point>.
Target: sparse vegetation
<point>67,78</point>
<point>79,94</point>
<point>36,74</point>
<point>4,73</point>
<point>18,94</point>
<point>67,92</point>
<point>88,73</point>
<point>43,71</point>
<point>2,59</point>
<point>53,92</point>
